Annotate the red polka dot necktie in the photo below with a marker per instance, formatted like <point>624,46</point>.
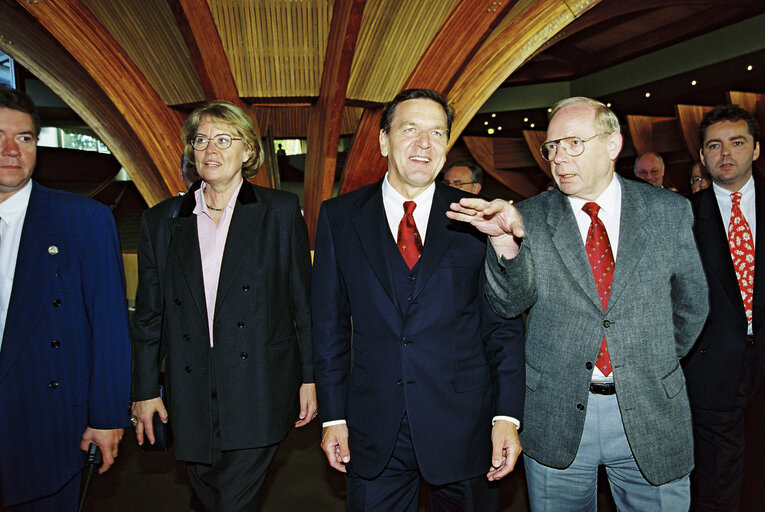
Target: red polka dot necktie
<point>742,252</point>
<point>601,258</point>
<point>409,242</point>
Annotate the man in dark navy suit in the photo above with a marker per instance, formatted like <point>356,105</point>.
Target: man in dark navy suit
<point>401,288</point>
<point>726,367</point>
<point>65,352</point>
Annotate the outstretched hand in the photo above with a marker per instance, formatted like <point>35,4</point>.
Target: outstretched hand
<point>499,219</point>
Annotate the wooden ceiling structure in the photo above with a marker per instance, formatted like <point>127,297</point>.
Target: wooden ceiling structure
<point>321,69</point>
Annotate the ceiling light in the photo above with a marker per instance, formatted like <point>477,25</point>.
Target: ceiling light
<point>525,119</point>
<point>608,105</point>
<point>486,123</point>
<point>494,115</point>
<point>531,125</point>
<point>693,82</point>
<point>499,128</point>
<point>749,67</point>
<point>648,95</point>
<point>549,110</point>
<point>490,131</point>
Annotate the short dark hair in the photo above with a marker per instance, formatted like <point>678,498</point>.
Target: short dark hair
<point>414,94</point>
<point>475,169</point>
<point>17,100</point>
<point>731,113</point>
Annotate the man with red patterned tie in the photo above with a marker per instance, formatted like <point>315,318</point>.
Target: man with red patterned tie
<point>608,270</point>
<point>725,368</point>
<point>416,375</point>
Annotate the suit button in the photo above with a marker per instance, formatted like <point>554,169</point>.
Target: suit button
<point>588,365</point>
<point>53,384</point>
<point>606,323</point>
<point>409,298</point>
<point>55,343</point>
<point>405,342</point>
<point>580,407</point>
<point>412,277</point>
<point>240,324</point>
<point>178,301</point>
<point>244,355</point>
<point>703,351</point>
<point>186,337</point>
<point>187,369</point>
<point>56,303</point>
<point>400,382</point>
<point>502,270</point>
<point>246,287</point>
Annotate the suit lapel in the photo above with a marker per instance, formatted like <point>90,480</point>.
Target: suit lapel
<point>245,233</point>
<point>36,266</point>
<point>713,241</point>
<point>185,244</point>
<point>437,241</point>
<point>568,242</point>
<point>371,225</point>
<point>633,239</point>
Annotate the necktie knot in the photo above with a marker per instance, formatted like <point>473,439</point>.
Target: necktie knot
<point>409,207</point>
<point>591,209</point>
<point>736,198</point>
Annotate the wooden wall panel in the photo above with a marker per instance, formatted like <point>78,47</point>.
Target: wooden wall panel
<point>534,139</point>
<point>689,117</point>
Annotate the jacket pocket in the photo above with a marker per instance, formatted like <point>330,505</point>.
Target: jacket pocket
<point>532,378</point>
<point>674,382</point>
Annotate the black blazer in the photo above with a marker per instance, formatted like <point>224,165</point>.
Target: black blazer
<point>713,368</point>
<point>262,350</point>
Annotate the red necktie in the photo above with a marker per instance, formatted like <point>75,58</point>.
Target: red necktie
<point>408,238</point>
<point>602,263</point>
<point>742,252</point>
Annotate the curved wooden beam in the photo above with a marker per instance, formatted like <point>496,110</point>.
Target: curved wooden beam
<point>506,52</point>
<point>153,123</point>
<point>468,26</point>
<point>199,31</point>
<point>642,132</point>
<point>326,115</point>
<point>39,52</point>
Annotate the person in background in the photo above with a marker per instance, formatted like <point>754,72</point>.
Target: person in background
<point>465,176</point>
<point>649,167</point>
<point>188,172</point>
<point>700,178</point>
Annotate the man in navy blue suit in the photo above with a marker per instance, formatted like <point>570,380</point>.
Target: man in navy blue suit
<point>65,346</point>
<point>412,366</point>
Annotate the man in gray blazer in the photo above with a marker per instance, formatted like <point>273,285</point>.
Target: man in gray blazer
<point>603,380</point>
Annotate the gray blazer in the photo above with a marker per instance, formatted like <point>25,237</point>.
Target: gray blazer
<point>657,308</point>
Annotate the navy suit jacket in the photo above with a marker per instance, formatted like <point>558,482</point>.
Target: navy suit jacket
<point>714,366</point>
<point>65,357</point>
<point>443,357</point>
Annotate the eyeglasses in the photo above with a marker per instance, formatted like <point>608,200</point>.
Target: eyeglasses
<point>696,179</point>
<point>457,183</point>
<point>222,141</point>
<point>573,146</point>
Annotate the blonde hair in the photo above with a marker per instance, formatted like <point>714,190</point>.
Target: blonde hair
<point>229,114</point>
<point>605,119</point>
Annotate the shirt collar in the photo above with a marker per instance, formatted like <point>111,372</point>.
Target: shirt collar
<point>609,200</point>
<point>201,205</point>
<point>391,194</point>
<point>14,208</point>
<point>724,194</point>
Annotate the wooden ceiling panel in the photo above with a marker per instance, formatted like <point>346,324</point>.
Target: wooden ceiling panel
<point>147,32</point>
<point>292,122</point>
<point>275,47</point>
<point>393,37</point>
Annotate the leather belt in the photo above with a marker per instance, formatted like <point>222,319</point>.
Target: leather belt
<point>602,388</point>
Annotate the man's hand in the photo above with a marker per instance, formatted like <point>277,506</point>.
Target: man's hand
<point>308,408</point>
<point>498,219</point>
<point>107,440</point>
<point>334,442</point>
<point>143,412</point>
<point>506,447</point>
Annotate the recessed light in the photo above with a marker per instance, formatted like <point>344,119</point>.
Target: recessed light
<point>486,123</point>
<point>525,119</point>
<point>549,110</point>
<point>693,82</point>
<point>648,95</point>
<point>494,115</point>
<point>531,125</point>
<point>749,67</point>
<point>510,201</point>
<point>490,131</point>
<point>499,128</point>
<point>608,105</point>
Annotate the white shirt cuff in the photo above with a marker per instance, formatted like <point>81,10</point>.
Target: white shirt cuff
<point>332,423</point>
<point>507,418</point>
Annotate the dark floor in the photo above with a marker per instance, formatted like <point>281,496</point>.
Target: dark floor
<point>299,480</point>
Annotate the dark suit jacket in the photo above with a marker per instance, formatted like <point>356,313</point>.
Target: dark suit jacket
<point>714,367</point>
<point>65,357</point>
<point>261,325</point>
<point>655,312</point>
<point>442,357</point>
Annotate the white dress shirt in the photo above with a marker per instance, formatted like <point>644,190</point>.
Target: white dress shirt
<point>12,213</point>
<point>610,202</point>
<point>725,203</point>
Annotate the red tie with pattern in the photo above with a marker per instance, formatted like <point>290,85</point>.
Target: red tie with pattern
<point>742,252</point>
<point>601,258</point>
<point>408,238</point>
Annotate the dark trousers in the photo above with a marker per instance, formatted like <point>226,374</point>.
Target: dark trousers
<point>722,457</point>
<point>232,482</point>
<point>398,487</point>
<point>65,499</point>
